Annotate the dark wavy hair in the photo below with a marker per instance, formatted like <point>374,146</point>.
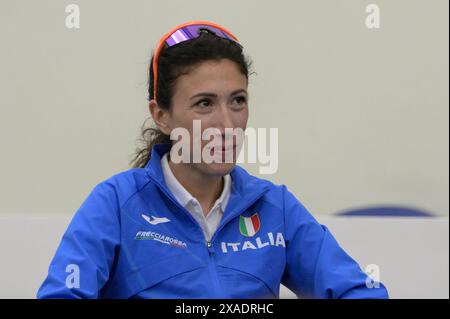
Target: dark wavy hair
<point>174,62</point>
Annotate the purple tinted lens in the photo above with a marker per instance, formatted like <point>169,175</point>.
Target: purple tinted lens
<point>192,32</point>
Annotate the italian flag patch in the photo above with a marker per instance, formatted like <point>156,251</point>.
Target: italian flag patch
<point>249,226</point>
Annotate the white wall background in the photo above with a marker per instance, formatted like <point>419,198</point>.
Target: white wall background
<point>362,114</point>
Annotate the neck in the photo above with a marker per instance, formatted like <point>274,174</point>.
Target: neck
<point>205,188</point>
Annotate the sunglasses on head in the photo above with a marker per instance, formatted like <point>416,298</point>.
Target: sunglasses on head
<point>185,32</point>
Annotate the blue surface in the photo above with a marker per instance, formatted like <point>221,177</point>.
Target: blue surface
<point>398,211</point>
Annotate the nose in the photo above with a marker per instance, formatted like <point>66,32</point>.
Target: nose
<point>221,119</point>
<point>224,118</point>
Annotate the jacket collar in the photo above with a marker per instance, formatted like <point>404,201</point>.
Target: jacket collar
<point>182,195</point>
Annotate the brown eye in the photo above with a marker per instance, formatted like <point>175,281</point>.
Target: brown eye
<point>203,103</point>
<point>241,99</point>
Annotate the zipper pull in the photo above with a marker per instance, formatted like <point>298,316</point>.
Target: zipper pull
<point>210,247</point>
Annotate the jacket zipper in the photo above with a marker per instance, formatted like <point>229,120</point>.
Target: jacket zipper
<point>209,243</point>
<point>212,268</point>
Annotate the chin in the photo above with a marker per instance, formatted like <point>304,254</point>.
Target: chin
<point>219,168</point>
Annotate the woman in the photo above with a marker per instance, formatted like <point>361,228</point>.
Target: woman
<point>198,229</point>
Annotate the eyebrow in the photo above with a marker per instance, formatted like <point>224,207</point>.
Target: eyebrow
<point>215,95</point>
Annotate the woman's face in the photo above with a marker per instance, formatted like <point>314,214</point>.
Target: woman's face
<point>214,92</point>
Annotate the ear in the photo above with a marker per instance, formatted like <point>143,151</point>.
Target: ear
<point>160,116</point>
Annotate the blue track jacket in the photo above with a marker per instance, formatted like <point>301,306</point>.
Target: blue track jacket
<point>132,239</point>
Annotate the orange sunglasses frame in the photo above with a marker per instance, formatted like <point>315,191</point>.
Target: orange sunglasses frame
<point>168,34</point>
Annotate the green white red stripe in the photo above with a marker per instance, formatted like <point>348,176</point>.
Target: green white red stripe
<point>249,226</point>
